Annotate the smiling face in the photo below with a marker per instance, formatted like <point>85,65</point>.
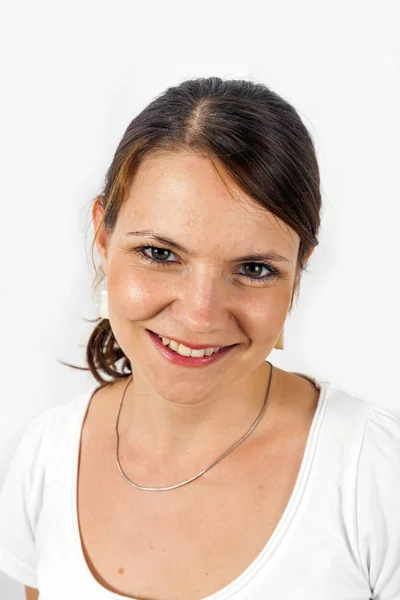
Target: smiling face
<point>210,291</point>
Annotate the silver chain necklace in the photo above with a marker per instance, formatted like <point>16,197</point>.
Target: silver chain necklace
<point>161,489</point>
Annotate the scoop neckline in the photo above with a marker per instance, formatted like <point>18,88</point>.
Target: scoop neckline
<point>277,537</point>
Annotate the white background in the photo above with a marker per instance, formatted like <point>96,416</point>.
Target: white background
<point>75,73</point>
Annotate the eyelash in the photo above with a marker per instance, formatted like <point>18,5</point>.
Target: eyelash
<point>274,273</point>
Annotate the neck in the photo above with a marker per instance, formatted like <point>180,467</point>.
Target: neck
<point>170,429</point>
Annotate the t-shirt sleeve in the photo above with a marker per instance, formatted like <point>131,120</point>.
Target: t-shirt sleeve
<point>378,503</point>
<point>20,504</point>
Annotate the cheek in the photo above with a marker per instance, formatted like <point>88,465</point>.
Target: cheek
<point>133,293</point>
<point>263,314</point>
<point>264,318</point>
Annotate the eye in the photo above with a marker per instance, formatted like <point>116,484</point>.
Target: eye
<point>157,256</point>
<point>258,267</point>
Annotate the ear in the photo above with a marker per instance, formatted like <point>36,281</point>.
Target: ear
<point>101,239</point>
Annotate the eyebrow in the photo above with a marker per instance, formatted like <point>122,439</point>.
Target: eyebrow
<point>270,255</point>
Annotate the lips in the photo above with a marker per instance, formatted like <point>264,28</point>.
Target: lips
<point>190,345</point>
<point>187,361</point>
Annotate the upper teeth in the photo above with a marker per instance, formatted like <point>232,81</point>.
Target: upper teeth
<point>185,351</point>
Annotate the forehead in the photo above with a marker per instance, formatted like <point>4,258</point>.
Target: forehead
<point>183,194</point>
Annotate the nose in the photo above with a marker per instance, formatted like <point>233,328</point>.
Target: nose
<point>201,303</point>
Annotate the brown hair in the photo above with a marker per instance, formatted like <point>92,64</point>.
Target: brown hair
<point>253,133</point>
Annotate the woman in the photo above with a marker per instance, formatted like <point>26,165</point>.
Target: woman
<point>197,469</point>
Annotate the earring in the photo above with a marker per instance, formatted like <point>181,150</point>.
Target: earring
<point>104,305</point>
<point>280,342</point>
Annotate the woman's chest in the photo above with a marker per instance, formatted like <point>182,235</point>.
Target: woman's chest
<point>189,542</point>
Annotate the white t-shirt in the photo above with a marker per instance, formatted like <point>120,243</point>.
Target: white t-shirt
<point>338,539</point>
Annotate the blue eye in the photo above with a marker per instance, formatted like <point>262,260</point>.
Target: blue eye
<point>272,271</point>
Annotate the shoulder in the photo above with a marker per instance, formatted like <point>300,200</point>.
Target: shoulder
<point>378,474</point>
<point>381,443</point>
<point>378,501</point>
<point>375,423</point>
<point>353,419</point>
<point>50,424</point>
<point>372,434</point>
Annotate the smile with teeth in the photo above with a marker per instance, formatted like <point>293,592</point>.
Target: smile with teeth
<point>185,351</point>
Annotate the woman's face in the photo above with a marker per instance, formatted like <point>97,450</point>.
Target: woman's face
<point>204,293</point>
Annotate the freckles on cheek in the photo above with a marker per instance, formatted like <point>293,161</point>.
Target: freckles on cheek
<point>265,320</point>
<point>137,296</point>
